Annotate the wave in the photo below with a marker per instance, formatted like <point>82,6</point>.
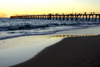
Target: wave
<point>28,26</point>
<point>10,28</point>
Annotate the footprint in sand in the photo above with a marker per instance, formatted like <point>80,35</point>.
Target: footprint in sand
<point>96,61</point>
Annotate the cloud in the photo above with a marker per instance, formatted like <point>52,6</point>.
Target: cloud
<point>2,15</point>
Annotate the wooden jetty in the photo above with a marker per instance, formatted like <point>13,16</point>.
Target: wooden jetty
<point>79,16</point>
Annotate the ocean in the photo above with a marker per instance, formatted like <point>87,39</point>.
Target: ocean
<point>25,27</point>
<point>22,39</point>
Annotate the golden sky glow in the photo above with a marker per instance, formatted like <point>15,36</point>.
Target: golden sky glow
<point>12,7</point>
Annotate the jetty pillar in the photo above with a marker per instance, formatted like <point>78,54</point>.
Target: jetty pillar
<point>45,16</point>
<point>92,17</point>
<point>83,18</point>
<point>80,17</point>
<point>34,17</point>
<point>53,17</point>
<point>68,17</point>
<point>95,18</point>
<point>71,17</point>
<point>86,17</point>
<point>89,18</point>
<point>85,14</point>
<point>37,17</point>
<point>56,15</point>
<point>76,17</point>
<point>40,17</point>
<point>49,16</point>
<point>59,17</point>
<point>56,18</point>
<point>99,18</point>
<point>63,17</point>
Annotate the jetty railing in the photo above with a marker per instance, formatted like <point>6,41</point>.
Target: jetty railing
<point>71,16</point>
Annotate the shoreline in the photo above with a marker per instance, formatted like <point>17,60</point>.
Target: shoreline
<point>62,32</point>
<point>70,52</point>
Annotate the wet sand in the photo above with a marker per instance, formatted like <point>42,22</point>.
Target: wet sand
<point>70,52</point>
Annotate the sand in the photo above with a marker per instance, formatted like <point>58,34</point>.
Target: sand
<point>70,52</point>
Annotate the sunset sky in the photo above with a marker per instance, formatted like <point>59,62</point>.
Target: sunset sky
<point>19,7</point>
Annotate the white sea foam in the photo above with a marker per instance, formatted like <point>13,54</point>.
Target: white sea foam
<point>24,27</point>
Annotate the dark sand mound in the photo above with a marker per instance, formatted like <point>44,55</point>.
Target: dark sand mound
<point>70,52</point>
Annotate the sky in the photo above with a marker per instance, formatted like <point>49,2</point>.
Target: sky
<point>23,7</point>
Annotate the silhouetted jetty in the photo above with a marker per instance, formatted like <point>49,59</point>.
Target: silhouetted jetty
<point>79,16</point>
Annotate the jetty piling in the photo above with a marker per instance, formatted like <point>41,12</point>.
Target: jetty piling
<point>95,18</point>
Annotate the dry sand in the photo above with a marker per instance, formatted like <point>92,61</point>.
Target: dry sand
<point>70,52</point>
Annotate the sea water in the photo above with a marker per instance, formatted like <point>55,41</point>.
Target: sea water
<point>22,39</point>
<point>24,27</point>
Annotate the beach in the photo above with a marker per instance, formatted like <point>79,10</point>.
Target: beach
<point>69,52</point>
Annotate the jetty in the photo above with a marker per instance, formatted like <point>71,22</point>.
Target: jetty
<point>57,16</point>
